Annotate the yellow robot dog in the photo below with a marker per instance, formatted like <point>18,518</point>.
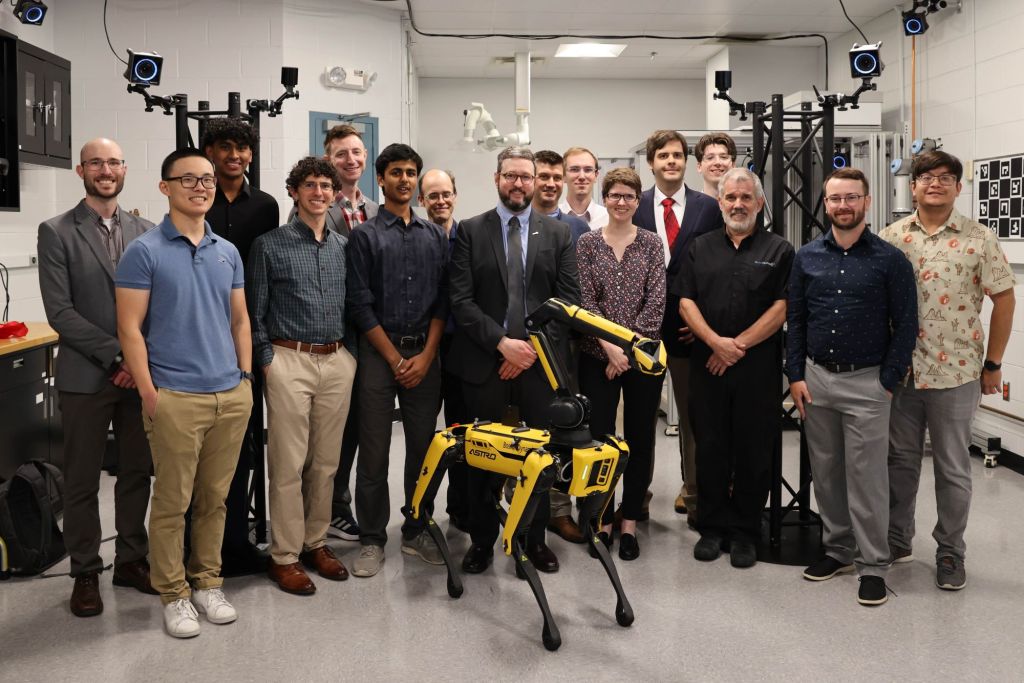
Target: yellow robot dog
<point>561,455</point>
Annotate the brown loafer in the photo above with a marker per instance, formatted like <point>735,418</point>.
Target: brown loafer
<point>565,527</point>
<point>85,596</point>
<point>326,564</point>
<point>542,558</point>
<point>134,575</point>
<point>291,578</point>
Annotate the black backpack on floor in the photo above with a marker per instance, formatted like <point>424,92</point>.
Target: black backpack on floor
<point>30,503</point>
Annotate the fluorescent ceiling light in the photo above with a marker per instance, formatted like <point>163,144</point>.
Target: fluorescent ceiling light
<point>590,50</point>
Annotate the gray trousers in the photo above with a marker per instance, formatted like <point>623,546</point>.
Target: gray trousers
<point>419,407</point>
<point>85,418</point>
<point>947,414</point>
<point>847,429</point>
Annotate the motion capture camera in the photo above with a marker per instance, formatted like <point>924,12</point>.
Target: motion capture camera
<point>723,80</point>
<point>865,61</point>
<point>914,22</point>
<point>30,12</point>
<point>289,77</point>
<point>144,68</point>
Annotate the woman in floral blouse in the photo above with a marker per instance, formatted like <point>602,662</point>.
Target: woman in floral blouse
<point>622,278</point>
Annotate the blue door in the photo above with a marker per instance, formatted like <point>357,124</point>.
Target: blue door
<point>321,122</point>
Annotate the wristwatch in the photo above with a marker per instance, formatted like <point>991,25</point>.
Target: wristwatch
<point>249,376</point>
<point>992,366</point>
<point>115,364</point>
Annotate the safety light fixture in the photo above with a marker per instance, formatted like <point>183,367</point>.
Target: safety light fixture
<point>349,78</point>
<point>30,12</point>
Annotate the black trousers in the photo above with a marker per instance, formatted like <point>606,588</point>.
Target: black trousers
<point>236,546</point>
<point>641,395</point>
<point>737,421</point>
<point>530,394</point>
<point>455,412</point>
<point>341,502</point>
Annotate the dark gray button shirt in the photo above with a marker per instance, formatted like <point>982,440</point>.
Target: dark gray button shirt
<point>296,288</point>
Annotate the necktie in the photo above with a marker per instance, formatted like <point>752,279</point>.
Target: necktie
<point>671,224</point>
<point>515,314</point>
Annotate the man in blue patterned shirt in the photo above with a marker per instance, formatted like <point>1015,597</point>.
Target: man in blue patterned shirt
<point>297,300</point>
<point>852,327</point>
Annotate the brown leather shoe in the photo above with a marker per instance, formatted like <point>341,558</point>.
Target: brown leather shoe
<point>564,526</point>
<point>134,575</point>
<point>85,596</point>
<point>291,578</point>
<point>541,557</point>
<point>326,564</point>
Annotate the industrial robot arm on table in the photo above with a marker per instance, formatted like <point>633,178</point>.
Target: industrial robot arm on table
<point>561,453</point>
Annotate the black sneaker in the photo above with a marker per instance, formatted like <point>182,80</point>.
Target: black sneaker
<point>872,591</point>
<point>825,568</point>
<point>742,554</point>
<point>344,527</point>
<point>708,548</point>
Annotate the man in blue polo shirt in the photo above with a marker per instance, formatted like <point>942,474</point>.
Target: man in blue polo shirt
<point>184,332</point>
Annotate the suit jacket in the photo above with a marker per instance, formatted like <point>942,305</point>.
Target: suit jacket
<point>76,278</point>
<point>478,280</point>
<point>577,226</point>
<point>702,214</point>
<point>336,222</point>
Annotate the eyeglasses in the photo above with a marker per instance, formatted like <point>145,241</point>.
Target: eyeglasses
<point>190,181</point>
<point>945,180</point>
<point>615,197</point>
<point>308,186</point>
<point>511,178</point>
<point>438,196</point>
<point>585,170</point>
<point>97,164</point>
<point>850,199</point>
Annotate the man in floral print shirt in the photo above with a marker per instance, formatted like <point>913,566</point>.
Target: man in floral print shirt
<point>957,261</point>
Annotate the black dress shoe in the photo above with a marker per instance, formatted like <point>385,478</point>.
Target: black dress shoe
<point>541,557</point>
<point>629,549</point>
<point>478,558</point>
<point>604,538</point>
<point>708,548</point>
<point>742,554</point>
<point>243,560</point>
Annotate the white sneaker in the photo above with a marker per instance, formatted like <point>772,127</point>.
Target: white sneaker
<point>181,619</point>
<point>214,605</point>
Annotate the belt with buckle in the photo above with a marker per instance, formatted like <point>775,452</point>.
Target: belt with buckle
<point>408,342</point>
<point>303,347</point>
<point>837,368</point>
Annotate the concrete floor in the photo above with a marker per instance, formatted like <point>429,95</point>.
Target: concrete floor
<point>694,621</point>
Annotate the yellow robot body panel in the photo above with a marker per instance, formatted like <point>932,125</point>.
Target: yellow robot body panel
<point>501,448</point>
<point>441,442</point>
<point>593,468</point>
<point>531,468</point>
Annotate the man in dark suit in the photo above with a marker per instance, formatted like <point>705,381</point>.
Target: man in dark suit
<point>507,261</point>
<point>678,215</point>
<point>78,252</point>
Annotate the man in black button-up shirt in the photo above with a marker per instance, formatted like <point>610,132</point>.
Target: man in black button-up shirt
<point>852,329</point>
<point>733,298</point>
<point>398,298</point>
<point>296,293</point>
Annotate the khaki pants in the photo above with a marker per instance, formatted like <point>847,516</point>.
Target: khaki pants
<point>308,397</point>
<point>195,440</point>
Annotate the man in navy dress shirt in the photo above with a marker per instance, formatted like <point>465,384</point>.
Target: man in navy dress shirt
<point>852,328</point>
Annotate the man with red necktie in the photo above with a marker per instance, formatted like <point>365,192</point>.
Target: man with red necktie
<point>678,215</point>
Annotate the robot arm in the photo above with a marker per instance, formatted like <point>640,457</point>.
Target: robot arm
<point>645,355</point>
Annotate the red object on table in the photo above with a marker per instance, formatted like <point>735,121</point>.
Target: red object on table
<point>13,329</point>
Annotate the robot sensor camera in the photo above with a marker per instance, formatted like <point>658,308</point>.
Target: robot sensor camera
<point>144,68</point>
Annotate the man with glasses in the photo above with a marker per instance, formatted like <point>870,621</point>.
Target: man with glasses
<point>581,169</point>
<point>677,214</point>
<point>715,154</point>
<point>296,298</point>
<point>852,327</point>
<point>397,292</point>
<point>240,213</point>
<point>78,254</point>
<point>183,326</point>
<point>507,261</point>
<point>957,262</point>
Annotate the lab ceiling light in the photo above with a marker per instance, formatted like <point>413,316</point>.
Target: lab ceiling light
<point>30,12</point>
<point>583,50</point>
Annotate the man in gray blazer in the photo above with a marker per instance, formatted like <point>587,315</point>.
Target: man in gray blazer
<point>78,252</point>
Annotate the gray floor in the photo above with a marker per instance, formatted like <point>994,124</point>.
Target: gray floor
<point>694,621</point>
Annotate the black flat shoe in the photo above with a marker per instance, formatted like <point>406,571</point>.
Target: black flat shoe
<point>477,559</point>
<point>604,538</point>
<point>629,549</point>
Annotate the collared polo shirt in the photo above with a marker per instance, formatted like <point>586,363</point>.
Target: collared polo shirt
<point>954,268</point>
<point>731,286</point>
<point>188,324</point>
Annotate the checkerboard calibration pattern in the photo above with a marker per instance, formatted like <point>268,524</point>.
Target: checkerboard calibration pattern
<point>999,195</point>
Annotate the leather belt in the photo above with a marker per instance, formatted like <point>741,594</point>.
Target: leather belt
<point>836,368</point>
<point>303,347</point>
<point>408,342</point>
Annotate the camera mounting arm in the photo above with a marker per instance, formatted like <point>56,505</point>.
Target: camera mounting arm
<point>841,101</point>
<point>165,103</point>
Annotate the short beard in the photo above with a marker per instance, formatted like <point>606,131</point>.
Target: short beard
<point>744,227</point>
<point>515,206</point>
<point>92,191</point>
